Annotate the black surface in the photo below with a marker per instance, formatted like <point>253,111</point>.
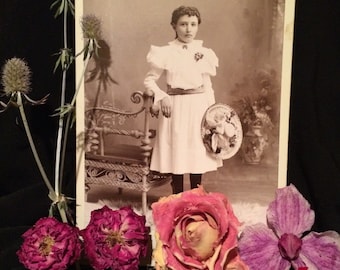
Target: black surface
<point>28,30</point>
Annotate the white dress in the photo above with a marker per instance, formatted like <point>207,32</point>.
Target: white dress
<point>178,145</point>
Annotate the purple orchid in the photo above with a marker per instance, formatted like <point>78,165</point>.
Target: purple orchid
<point>286,243</point>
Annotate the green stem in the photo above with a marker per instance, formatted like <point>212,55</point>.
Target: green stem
<point>59,138</point>
<point>86,61</point>
<point>62,212</point>
<point>69,115</point>
<point>58,176</point>
<point>63,153</point>
<point>52,193</point>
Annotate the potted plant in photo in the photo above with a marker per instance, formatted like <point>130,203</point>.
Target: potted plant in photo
<point>257,114</point>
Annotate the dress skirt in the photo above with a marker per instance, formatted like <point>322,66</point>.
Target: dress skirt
<point>178,147</point>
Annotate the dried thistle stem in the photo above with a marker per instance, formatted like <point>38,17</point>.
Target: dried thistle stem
<point>67,127</point>
<point>52,193</point>
<point>59,160</point>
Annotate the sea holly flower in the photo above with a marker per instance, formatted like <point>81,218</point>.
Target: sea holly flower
<point>115,239</point>
<point>15,79</point>
<point>196,230</point>
<point>50,244</point>
<point>91,27</point>
<point>287,241</point>
<point>16,76</point>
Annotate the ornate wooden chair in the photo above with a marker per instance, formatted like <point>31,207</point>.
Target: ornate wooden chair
<point>122,165</point>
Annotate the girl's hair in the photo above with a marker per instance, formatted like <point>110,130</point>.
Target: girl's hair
<point>183,10</point>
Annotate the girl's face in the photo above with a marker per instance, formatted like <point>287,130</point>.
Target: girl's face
<point>186,28</point>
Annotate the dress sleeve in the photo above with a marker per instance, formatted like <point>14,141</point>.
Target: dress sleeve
<point>210,65</point>
<point>208,89</point>
<point>156,59</point>
<point>211,62</point>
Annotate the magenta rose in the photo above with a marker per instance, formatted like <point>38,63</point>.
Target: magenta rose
<point>115,239</point>
<point>50,244</point>
<point>196,230</point>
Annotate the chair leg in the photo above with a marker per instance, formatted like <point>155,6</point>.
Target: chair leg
<point>144,203</point>
<point>144,195</point>
<point>87,188</point>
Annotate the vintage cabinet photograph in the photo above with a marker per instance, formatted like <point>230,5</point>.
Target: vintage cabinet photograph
<point>171,101</point>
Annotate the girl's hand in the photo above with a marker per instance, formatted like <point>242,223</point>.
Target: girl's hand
<point>166,107</point>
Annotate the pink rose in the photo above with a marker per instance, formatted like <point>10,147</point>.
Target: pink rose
<point>196,230</point>
<point>50,244</point>
<point>115,239</point>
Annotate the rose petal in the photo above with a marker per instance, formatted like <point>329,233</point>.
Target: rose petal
<point>115,238</point>
<point>172,216</point>
<point>199,238</point>
<point>321,250</point>
<point>235,262</point>
<point>64,247</point>
<point>163,215</point>
<point>259,249</point>
<point>290,212</point>
<point>157,253</point>
<point>229,243</point>
<point>176,259</point>
<point>168,209</point>
<point>232,261</point>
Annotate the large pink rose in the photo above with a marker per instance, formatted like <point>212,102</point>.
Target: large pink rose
<point>115,239</point>
<point>196,230</point>
<point>50,244</point>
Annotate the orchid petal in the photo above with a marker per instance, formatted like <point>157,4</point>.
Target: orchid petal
<point>321,250</point>
<point>290,212</point>
<point>299,264</point>
<point>259,249</point>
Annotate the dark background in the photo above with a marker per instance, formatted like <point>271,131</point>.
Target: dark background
<point>28,30</point>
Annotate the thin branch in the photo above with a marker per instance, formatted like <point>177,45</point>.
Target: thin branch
<point>57,179</point>
<point>52,193</point>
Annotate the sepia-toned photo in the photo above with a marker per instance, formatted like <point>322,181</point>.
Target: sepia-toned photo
<point>179,94</point>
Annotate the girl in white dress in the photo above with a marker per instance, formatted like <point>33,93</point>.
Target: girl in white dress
<point>183,101</point>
